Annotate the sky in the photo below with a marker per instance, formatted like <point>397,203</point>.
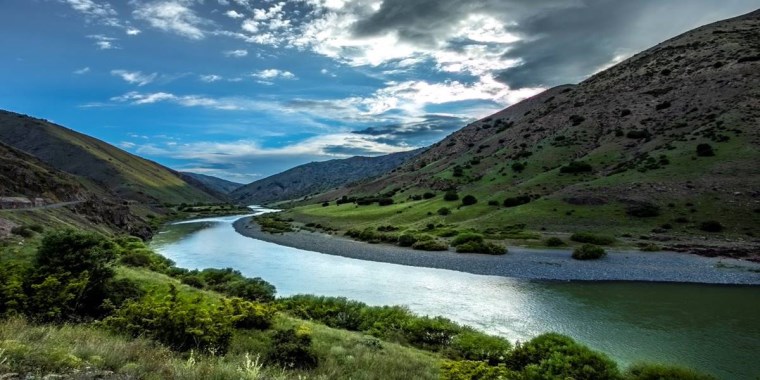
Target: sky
<point>243,89</point>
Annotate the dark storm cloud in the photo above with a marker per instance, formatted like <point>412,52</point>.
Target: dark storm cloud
<point>432,128</point>
<point>563,41</point>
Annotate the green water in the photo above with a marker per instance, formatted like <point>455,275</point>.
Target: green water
<point>715,329</point>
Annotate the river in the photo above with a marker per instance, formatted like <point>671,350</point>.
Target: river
<point>711,328</point>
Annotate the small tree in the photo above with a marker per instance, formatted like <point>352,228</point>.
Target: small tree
<point>469,200</point>
<point>451,196</point>
<point>705,150</point>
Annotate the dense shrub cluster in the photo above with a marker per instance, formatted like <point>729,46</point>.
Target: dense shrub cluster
<point>643,210</point>
<point>554,242</point>
<point>371,235</point>
<point>517,201</point>
<point>469,200</point>
<point>450,196</point>
<point>588,237</point>
<point>292,349</point>
<point>273,224</point>
<point>229,282</point>
<point>576,167</point>
<point>589,252</point>
<point>430,245</point>
<point>475,243</point>
<point>705,150</point>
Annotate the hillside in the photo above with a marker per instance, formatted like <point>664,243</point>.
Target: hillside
<point>317,177</point>
<point>22,175</point>
<point>659,147</point>
<point>106,167</point>
<point>217,184</point>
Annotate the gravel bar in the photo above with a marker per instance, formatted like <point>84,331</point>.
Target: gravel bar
<point>526,263</point>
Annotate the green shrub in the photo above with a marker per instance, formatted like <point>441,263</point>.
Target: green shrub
<point>469,200</point>
<point>406,240</point>
<point>250,315</point>
<point>182,324</point>
<point>430,245</point>
<point>22,231</point>
<point>37,228</point>
<point>443,211</point>
<point>589,252</point>
<point>430,333</point>
<point>517,201</point>
<point>711,226</point>
<point>554,242</point>
<point>485,247</point>
<point>576,167</point>
<point>555,356</point>
<point>474,370</point>
<point>385,201</point>
<point>588,237</point>
<point>518,167</point>
<point>428,195</point>
<point>705,150</point>
<point>661,372</point>
<point>643,210</point>
<point>292,349</point>
<point>467,237</point>
<point>450,196</point>
<point>194,281</point>
<point>472,345</point>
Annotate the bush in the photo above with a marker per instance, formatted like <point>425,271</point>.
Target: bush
<point>517,201</point>
<point>471,345</point>
<point>643,210</point>
<point>176,322</point>
<point>554,242</point>
<point>385,201</point>
<point>705,150</point>
<point>518,167</point>
<point>587,237</point>
<point>428,195</point>
<point>469,200</point>
<point>472,370</point>
<point>250,315</point>
<point>711,226</point>
<point>576,167</point>
<point>466,238</point>
<point>451,196</point>
<point>443,211</point>
<point>407,240</point>
<point>589,252</point>
<point>658,372</point>
<point>638,134</point>
<point>430,333</point>
<point>430,245</point>
<point>555,356</point>
<point>23,231</point>
<point>482,247</point>
<point>292,349</point>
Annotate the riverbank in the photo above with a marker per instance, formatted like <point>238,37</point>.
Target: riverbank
<point>534,264</point>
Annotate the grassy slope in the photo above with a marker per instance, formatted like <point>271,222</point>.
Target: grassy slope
<point>696,188</point>
<point>104,165</point>
<point>62,349</point>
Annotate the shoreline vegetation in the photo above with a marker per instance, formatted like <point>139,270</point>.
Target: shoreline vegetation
<point>79,304</point>
<point>524,263</point>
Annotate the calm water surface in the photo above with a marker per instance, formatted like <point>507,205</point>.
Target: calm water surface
<point>712,328</point>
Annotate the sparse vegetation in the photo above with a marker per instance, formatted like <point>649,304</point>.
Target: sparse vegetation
<point>587,237</point>
<point>589,252</point>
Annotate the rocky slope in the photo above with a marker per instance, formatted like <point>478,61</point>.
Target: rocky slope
<point>317,177</point>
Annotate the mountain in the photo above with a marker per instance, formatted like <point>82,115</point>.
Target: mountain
<point>104,166</point>
<point>217,184</point>
<point>317,177</point>
<point>23,175</point>
<point>662,146</point>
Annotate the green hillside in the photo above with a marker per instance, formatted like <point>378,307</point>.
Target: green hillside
<point>661,148</point>
<point>105,166</point>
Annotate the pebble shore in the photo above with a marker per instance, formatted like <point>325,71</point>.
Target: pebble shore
<point>534,264</point>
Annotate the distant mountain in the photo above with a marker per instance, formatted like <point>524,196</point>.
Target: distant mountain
<point>658,144</point>
<point>317,177</point>
<point>220,185</point>
<point>106,167</point>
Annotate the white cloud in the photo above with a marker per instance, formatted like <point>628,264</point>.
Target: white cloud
<point>82,71</point>
<point>102,12</point>
<point>211,78</point>
<point>104,42</point>
<point>135,77</point>
<point>273,74</point>
<point>133,31</point>
<point>236,53</point>
<point>127,145</point>
<point>234,14</point>
<point>172,16</point>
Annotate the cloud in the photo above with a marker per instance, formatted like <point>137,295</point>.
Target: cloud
<point>82,71</point>
<point>425,130</point>
<point>173,16</point>
<point>236,53</point>
<point>211,78</point>
<point>135,77</point>
<point>233,14</point>
<point>101,12</point>
<point>270,74</point>
<point>104,42</point>
<point>133,31</point>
